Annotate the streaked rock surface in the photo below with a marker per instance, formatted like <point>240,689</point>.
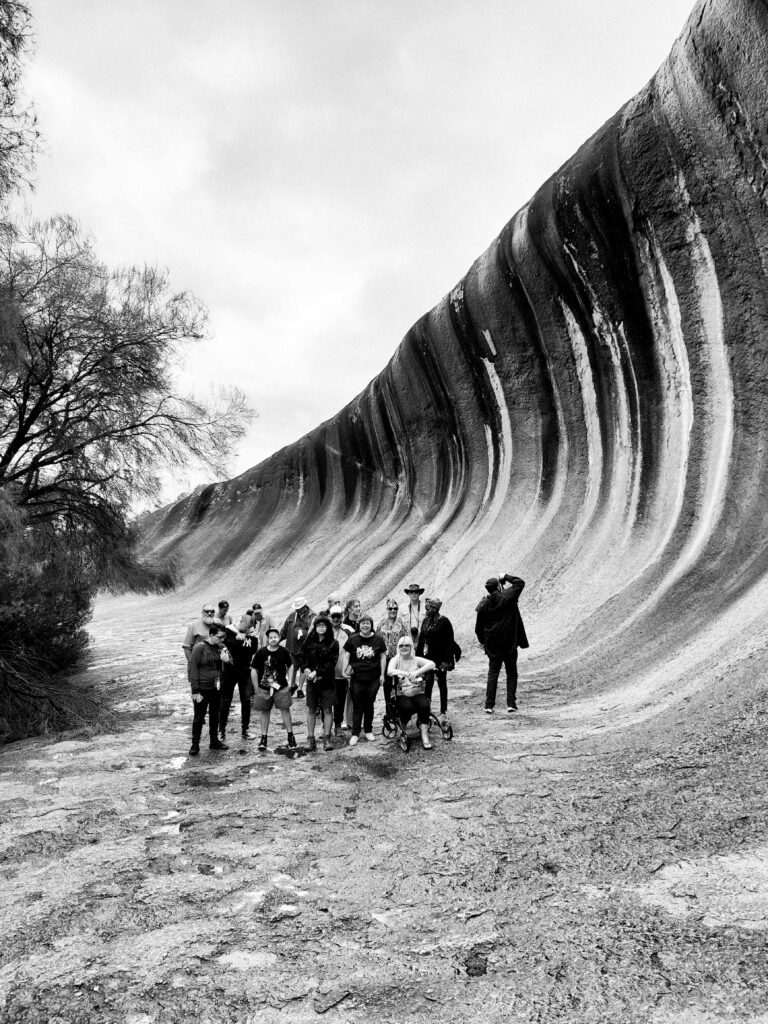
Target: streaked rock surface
<point>586,408</point>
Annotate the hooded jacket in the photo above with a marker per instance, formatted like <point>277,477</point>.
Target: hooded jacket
<point>499,625</point>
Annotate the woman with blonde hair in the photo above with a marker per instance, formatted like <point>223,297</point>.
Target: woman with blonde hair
<point>408,671</point>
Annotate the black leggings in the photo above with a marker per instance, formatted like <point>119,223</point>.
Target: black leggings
<point>442,685</point>
<point>417,705</point>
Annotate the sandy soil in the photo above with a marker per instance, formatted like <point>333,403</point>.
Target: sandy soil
<point>546,866</point>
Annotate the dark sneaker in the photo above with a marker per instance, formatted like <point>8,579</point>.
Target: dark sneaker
<point>291,740</point>
<point>489,711</point>
<point>218,745</point>
<point>262,743</point>
<point>194,750</point>
<point>511,709</point>
<point>311,743</point>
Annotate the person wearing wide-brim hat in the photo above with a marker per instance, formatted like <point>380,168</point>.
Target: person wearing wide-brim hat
<point>414,592</point>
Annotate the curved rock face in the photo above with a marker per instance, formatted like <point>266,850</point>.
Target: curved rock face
<point>586,409</point>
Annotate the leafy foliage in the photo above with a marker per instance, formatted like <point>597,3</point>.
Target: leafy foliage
<point>88,407</point>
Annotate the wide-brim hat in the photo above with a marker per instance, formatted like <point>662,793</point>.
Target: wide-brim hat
<point>300,602</point>
<point>414,588</point>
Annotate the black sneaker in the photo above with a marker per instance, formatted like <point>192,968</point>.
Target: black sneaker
<point>311,743</point>
<point>291,740</point>
<point>194,750</point>
<point>489,711</point>
<point>262,743</point>
<point>511,709</point>
<point>218,745</point>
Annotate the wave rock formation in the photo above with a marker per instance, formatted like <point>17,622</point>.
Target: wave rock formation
<point>586,408</point>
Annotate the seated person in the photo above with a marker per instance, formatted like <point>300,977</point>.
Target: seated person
<point>408,672</point>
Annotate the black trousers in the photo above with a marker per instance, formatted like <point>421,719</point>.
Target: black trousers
<point>495,661</point>
<point>442,684</point>
<point>210,704</point>
<point>231,678</point>
<point>363,698</point>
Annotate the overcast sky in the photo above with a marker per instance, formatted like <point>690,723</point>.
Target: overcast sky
<point>319,172</point>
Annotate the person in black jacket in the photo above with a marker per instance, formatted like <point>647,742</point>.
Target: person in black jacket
<point>242,643</point>
<point>318,657</point>
<point>499,628</point>
<point>204,678</point>
<point>436,643</point>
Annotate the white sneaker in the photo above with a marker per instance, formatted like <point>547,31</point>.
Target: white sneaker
<point>370,737</point>
<point>354,740</point>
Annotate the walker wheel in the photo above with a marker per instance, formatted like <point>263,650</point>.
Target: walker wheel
<point>404,742</point>
<point>447,732</point>
<point>387,729</point>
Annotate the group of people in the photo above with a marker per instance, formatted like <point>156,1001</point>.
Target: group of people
<point>338,659</point>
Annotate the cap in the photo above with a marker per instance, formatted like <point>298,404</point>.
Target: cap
<point>336,610</point>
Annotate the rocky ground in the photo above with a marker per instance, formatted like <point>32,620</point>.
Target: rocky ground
<point>546,866</point>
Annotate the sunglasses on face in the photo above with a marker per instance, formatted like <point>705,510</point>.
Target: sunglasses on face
<point>209,611</point>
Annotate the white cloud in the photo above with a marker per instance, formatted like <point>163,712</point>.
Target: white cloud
<point>320,174</point>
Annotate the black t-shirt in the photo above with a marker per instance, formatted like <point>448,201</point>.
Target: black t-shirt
<point>242,647</point>
<point>365,656</point>
<point>271,666</point>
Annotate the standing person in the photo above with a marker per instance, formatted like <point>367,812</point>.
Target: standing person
<point>222,614</point>
<point>499,628</point>
<point>330,601</point>
<point>342,707</point>
<point>352,611</point>
<point>365,663</point>
<point>319,656</point>
<point>408,671</point>
<point>204,679</point>
<point>436,643</point>
<point>390,629</point>
<point>294,633</point>
<point>414,592</point>
<point>261,622</point>
<point>198,630</point>
<point>242,643</point>
<point>269,675</point>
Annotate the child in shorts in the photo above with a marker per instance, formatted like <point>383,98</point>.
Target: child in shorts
<point>269,674</point>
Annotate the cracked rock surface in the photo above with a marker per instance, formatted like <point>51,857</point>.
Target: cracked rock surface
<point>526,870</point>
